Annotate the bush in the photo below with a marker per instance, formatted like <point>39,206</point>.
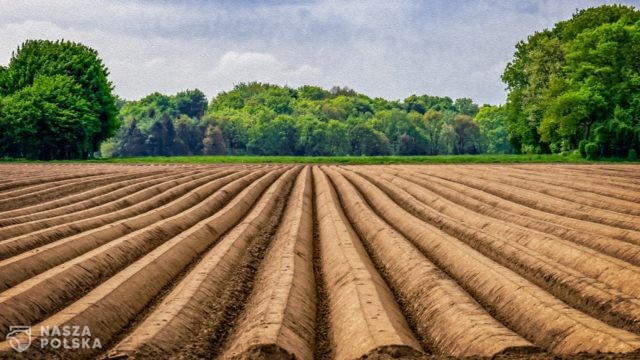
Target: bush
<point>591,151</point>
<point>581,145</point>
<point>632,155</point>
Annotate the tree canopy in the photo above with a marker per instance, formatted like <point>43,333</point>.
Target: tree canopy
<point>267,119</point>
<point>579,81</point>
<point>56,101</point>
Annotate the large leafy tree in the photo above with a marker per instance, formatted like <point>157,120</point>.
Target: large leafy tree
<point>600,100</point>
<point>73,68</point>
<point>568,83</point>
<point>50,119</point>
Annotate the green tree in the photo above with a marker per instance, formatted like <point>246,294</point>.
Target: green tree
<point>234,125</point>
<point>313,93</point>
<point>465,106</point>
<point>130,141</point>
<point>601,99</point>
<point>276,136</point>
<point>213,143</point>
<point>337,138</point>
<point>493,129</point>
<point>188,137</point>
<point>155,141</point>
<point>467,135</point>
<point>434,125</point>
<point>49,119</point>
<point>81,65</point>
<point>402,130</point>
<point>567,81</point>
<point>192,103</point>
<point>368,141</point>
<point>168,136</point>
<point>312,137</point>
<point>266,119</point>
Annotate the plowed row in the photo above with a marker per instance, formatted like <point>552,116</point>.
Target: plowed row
<point>323,262</point>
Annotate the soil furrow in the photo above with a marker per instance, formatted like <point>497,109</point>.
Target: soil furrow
<point>365,319</point>
<point>173,321</point>
<point>509,204</point>
<point>323,349</point>
<point>222,313</point>
<point>524,217</point>
<point>445,316</point>
<point>599,292</point>
<point>46,179</point>
<point>57,192</point>
<point>125,197</point>
<point>540,201</point>
<point>600,186</point>
<point>607,203</point>
<point>53,289</point>
<point>173,195</point>
<point>461,222</point>
<point>83,200</point>
<point>275,261</point>
<point>590,174</point>
<point>522,306</point>
<point>52,186</point>
<point>110,306</point>
<point>279,320</point>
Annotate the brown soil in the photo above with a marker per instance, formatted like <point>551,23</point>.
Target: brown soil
<point>324,262</point>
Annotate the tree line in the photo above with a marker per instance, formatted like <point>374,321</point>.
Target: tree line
<point>266,119</point>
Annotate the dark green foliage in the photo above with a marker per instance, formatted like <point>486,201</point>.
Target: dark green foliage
<point>155,144</point>
<point>591,150</point>
<point>132,142</point>
<point>632,155</point>
<point>57,101</point>
<point>213,143</point>
<point>368,141</point>
<point>188,137</point>
<point>465,106</point>
<point>169,125</point>
<point>467,135</point>
<point>423,103</point>
<point>581,147</point>
<point>192,103</point>
<point>273,136</point>
<point>313,93</point>
<point>160,141</point>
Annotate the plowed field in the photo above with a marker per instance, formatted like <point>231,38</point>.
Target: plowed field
<point>322,262</point>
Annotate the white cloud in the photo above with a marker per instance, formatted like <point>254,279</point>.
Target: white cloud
<point>236,67</point>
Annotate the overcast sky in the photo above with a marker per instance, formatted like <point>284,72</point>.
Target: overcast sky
<point>390,49</point>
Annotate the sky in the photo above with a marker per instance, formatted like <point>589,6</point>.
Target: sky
<point>388,49</point>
